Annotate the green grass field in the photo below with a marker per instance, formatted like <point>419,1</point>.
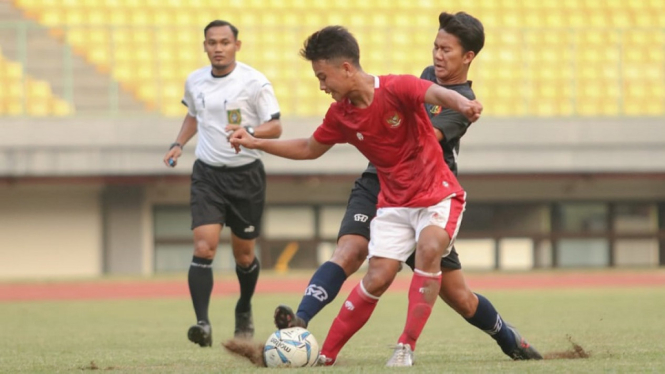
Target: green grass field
<point>622,328</point>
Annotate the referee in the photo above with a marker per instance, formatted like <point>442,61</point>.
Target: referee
<point>227,188</point>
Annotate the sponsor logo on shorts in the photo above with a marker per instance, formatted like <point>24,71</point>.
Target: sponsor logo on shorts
<point>360,136</point>
<point>250,229</point>
<point>360,217</point>
<point>316,292</point>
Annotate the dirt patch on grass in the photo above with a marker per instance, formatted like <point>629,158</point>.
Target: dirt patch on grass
<point>248,349</point>
<point>94,366</point>
<point>576,351</point>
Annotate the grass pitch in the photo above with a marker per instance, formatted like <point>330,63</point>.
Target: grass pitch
<point>621,328</point>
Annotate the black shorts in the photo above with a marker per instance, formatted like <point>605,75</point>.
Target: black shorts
<point>234,197</point>
<point>361,209</point>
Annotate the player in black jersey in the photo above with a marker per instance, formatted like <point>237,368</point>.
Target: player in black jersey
<point>459,39</point>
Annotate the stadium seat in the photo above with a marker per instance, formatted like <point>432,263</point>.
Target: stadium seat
<point>23,95</point>
<point>542,43</point>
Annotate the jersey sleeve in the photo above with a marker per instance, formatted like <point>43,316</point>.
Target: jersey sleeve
<point>188,99</point>
<point>329,132</point>
<point>452,124</point>
<point>412,88</point>
<point>265,102</point>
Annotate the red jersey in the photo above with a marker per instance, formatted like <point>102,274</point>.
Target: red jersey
<point>395,134</point>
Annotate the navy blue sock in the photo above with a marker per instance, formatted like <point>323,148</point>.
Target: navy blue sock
<point>200,286</point>
<point>322,289</point>
<point>488,319</point>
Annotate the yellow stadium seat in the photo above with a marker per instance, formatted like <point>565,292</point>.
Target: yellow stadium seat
<point>173,110</point>
<point>15,89</point>
<point>13,70</point>
<point>98,36</point>
<point>51,17</point>
<point>14,107</point>
<point>143,36</point>
<point>117,17</point>
<point>38,108</point>
<point>140,17</point>
<point>184,19</point>
<point>147,92</point>
<point>27,4</point>
<point>61,108</point>
<point>74,17</point>
<point>145,73</point>
<point>123,72</point>
<point>357,22</point>
<point>76,36</point>
<point>142,56</point>
<point>38,90</point>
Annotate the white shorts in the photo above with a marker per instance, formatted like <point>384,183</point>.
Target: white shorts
<point>394,232</point>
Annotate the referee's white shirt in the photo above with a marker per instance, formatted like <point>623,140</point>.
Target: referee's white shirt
<point>243,97</point>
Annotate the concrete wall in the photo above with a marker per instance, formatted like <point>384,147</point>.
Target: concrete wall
<point>131,146</point>
<point>50,231</point>
<point>88,227</point>
<point>127,230</point>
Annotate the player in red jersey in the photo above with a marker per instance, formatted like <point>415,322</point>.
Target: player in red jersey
<point>420,203</point>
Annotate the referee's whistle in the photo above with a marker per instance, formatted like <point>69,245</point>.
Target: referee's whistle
<point>171,162</point>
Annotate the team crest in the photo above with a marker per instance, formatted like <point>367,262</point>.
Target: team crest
<point>234,117</point>
<point>435,109</point>
<point>394,119</point>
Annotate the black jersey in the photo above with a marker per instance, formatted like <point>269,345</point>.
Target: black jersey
<point>452,124</point>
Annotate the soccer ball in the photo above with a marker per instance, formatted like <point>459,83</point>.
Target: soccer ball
<point>292,347</point>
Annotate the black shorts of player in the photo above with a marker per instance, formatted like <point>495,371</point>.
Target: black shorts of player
<point>361,209</point>
<point>232,196</point>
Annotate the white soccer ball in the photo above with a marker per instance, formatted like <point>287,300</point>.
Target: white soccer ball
<point>292,347</point>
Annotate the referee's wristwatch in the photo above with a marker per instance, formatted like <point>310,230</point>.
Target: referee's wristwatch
<point>250,130</point>
<point>176,144</point>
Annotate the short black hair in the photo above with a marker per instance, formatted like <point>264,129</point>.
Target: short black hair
<point>219,23</point>
<point>332,43</point>
<point>466,28</point>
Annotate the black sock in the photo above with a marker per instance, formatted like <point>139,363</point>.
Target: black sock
<point>322,289</point>
<point>247,277</point>
<point>200,286</point>
<point>488,319</point>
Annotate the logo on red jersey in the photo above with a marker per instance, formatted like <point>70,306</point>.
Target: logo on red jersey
<point>394,119</point>
<point>436,109</point>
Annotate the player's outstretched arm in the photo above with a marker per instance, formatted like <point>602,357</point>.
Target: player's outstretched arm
<point>437,95</point>
<point>295,149</point>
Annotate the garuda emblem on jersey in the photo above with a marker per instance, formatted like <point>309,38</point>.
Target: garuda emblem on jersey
<point>435,109</point>
<point>394,119</point>
<point>234,116</point>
